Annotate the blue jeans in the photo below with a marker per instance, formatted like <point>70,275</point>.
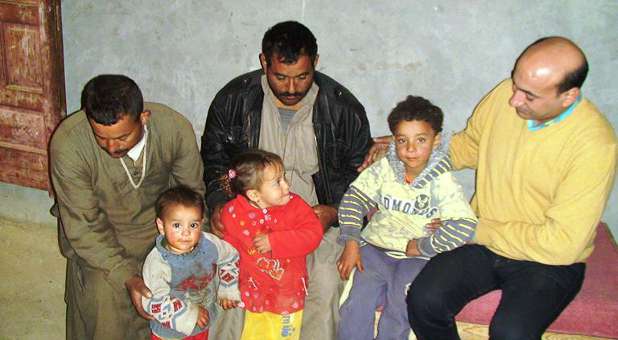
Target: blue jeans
<point>384,282</point>
<point>533,294</point>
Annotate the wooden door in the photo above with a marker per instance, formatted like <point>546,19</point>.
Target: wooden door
<point>32,97</point>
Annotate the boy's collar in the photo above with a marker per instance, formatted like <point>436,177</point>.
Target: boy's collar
<point>438,161</point>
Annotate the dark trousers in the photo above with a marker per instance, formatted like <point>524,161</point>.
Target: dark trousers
<point>533,294</point>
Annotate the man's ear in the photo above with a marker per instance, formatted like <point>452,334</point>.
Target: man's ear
<point>263,62</point>
<point>315,62</point>
<point>160,226</point>
<point>437,141</point>
<point>144,117</point>
<point>570,96</point>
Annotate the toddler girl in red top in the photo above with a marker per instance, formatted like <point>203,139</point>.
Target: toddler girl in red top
<point>273,230</point>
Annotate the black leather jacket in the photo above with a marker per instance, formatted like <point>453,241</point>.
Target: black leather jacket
<point>233,125</point>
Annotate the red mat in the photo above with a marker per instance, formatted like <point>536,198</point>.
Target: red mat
<point>594,311</point>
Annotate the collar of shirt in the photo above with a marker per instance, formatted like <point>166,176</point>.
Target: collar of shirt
<point>137,149</point>
<point>534,126</point>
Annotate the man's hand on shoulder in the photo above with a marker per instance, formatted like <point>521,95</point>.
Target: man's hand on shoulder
<point>216,227</point>
<point>326,214</point>
<point>376,151</point>
<point>137,288</point>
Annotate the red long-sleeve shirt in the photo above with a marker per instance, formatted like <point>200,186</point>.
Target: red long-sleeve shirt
<point>275,281</point>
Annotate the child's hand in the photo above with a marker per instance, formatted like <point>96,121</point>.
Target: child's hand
<point>202,317</point>
<point>412,249</point>
<point>261,243</point>
<point>349,259</point>
<point>228,304</point>
<point>432,226</point>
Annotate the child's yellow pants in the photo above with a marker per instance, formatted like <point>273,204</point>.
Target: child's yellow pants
<point>270,326</point>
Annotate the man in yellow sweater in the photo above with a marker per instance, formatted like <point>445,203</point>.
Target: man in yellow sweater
<point>545,160</point>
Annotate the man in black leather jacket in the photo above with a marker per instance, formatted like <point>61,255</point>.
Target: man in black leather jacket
<point>322,133</point>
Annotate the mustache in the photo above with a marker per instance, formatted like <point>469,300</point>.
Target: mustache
<point>118,152</point>
<point>288,94</point>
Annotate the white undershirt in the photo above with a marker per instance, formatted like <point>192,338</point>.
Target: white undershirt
<point>137,149</point>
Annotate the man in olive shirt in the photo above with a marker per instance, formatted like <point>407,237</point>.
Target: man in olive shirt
<point>109,163</point>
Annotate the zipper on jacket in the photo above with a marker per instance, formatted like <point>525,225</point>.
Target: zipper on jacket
<point>323,174</point>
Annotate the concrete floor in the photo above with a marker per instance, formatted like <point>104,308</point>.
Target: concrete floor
<point>32,284</point>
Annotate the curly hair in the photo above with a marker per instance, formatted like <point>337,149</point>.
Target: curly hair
<point>416,108</point>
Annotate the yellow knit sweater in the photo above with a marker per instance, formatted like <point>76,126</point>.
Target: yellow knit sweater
<point>539,194</point>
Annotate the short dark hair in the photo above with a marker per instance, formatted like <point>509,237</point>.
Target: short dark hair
<point>416,108</point>
<point>248,170</point>
<point>574,78</point>
<point>289,40</point>
<point>108,97</point>
<point>180,195</point>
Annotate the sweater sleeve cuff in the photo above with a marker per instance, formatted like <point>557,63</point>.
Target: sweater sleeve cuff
<point>348,233</point>
<point>424,246</point>
<point>230,293</point>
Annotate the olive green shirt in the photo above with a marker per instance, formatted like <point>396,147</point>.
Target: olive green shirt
<point>104,221</point>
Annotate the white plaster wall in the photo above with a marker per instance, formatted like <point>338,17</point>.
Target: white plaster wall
<point>452,52</point>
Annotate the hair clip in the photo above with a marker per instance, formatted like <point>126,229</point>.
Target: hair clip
<point>231,173</point>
